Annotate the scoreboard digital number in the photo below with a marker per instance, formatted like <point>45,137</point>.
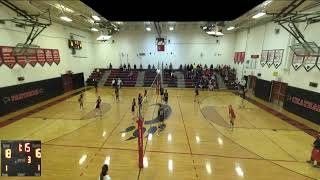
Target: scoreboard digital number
<point>21,158</point>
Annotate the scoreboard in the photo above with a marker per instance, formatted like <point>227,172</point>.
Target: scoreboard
<point>21,158</point>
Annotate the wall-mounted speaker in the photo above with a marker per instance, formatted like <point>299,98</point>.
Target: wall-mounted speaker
<point>276,30</point>
<point>313,84</point>
<point>20,78</point>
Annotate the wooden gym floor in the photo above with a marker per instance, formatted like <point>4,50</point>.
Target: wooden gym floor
<point>195,144</point>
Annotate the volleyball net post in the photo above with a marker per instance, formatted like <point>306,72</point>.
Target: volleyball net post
<point>140,120</point>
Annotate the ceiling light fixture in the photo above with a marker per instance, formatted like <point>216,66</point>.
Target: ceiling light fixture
<point>148,28</point>
<point>204,27</point>
<point>266,2</point>
<point>65,18</point>
<point>171,28</point>
<point>230,28</point>
<point>260,14</point>
<point>216,33</point>
<point>96,18</point>
<point>104,37</point>
<point>94,29</point>
<point>63,8</point>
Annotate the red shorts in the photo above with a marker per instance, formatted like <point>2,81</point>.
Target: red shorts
<point>315,155</point>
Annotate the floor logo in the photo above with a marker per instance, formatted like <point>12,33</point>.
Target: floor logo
<point>153,124</point>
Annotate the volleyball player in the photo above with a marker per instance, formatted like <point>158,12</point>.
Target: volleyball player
<point>166,97</point>
<point>98,106</point>
<point>232,116</point>
<point>161,93</point>
<point>133,106</point>
<point>80,100</point>
<point>116,91</point>
<point>145,95</point>
<point>140,104</point>
<point>196,90</point>
<point>315,154</point>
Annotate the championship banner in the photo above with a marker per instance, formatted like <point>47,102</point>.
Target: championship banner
<point>309,62</point>
<point>1,60</point>
<point>264,56</point>
<point>238,58</point>
<point>270,57</point>
<point>242,56</point>
<point>161,44</point>
<point>235,57</point>
<point>41,57</point>
<point>21,58</point>
<point>278,58</point>
<point>8,58</point>
<point>297,61</point>
<point>49,56</point>
<point>32,56</point>
<point>56,56</point>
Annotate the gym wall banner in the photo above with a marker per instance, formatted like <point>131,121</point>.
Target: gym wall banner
<point>161,44</point>
<point>303,103</point>
<point>32,56</point>
<point>16,97</point>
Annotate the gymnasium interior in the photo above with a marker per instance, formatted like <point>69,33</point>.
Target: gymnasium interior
<point>223,95</point>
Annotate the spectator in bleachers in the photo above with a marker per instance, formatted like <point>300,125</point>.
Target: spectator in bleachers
<point>110,66</point>
<point>170,66</point>
<point>180,68</point>
<point>149,67</point>
<point>141,66</point>
<point>134,66</point>
<point>129,67</point>
<point>130,75</point>
<point>121,67</point>
<point>166,67</point>
<point>124,67</point>
<point>153,66</point>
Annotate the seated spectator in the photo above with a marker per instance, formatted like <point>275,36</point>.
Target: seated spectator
<point>170,66</point>
<point>141,66</point>
<point>180,68</point>
<point>129,67</point>
<point>130,75</point>
<point>149,67</point>
<point>110,66</point>
<point>124,67</point>
<point>121,67</point>
<point>153,66</point>
<point>134,66</point>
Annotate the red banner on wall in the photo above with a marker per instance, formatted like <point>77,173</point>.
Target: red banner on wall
<point>242,56</point>
<point>238,57</point>
<point>8,58</point>
<point>56,56</point>
<point>22,60</point>
<point>1,59</point>
<point>32,57</point>
<point>41,57</point>
<point>49,56</point>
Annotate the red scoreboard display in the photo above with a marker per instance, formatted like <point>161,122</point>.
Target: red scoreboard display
<point>21,158</point>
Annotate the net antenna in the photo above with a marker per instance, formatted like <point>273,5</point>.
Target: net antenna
<point>24,19</point>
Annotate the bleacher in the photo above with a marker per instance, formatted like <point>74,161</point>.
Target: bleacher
<point>95,75</point>
<point>189,82</point>
<point>172,82</point>
<point>124,76</point>
<point>149,77</point>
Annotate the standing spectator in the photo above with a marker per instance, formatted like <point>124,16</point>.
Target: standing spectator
<point>110,66</point>
<point>129,67</point>
<point>95,85</point>
<point>104,173</point>
<point>134,66</point>
<point>166,97</point>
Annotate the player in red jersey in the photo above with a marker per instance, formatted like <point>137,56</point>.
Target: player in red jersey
<point>232,116</point>
<point>80,100</point>
<point>315,154</point>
